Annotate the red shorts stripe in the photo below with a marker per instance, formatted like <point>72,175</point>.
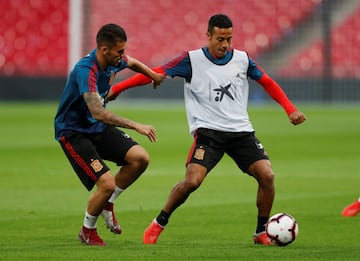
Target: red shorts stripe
<point>78,158</point>
<point>191,152</point>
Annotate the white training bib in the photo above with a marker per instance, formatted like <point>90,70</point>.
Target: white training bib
<point>216,98</point>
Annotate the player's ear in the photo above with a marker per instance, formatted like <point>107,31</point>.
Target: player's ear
<point>104,49</point>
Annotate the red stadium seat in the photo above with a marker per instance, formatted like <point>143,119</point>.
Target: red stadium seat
<point>345,54</point>
<point>160,30</point>
<point>34,38</point>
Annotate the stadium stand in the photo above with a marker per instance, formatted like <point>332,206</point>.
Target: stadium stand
<point>345,54</point>
<point>34,38</point>
<point>181,26</point>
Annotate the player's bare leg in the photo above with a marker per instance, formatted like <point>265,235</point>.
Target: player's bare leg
<point>261,170</point>
<point>194,176</point>
<point>137,161</point>
<point>105,187</point>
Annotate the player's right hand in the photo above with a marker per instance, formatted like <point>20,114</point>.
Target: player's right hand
<point>158,79</point>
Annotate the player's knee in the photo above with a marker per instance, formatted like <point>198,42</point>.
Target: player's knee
<point>106,183</point>
<point>263,173</point>
<point>138,157</point>
<point>268,178</point>
<point>192,184</point>
<point>142,161</point>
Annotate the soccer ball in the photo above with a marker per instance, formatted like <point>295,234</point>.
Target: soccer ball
<point>282,229</point>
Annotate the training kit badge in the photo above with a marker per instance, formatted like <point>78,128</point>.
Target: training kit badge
<point>199,154</point>
<point>96,165</point>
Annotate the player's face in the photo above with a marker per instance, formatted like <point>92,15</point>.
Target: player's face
<point>219,41</point>
<point>114,55</point>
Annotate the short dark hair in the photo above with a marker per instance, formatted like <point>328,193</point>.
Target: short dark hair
<point>219,20</point>
<point>110,34</point>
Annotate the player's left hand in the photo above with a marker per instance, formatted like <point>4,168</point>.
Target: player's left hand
<point>146,130</point>
<point>297,117</point>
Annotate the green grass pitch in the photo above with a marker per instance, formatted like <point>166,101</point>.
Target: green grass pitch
<point>42,203</point>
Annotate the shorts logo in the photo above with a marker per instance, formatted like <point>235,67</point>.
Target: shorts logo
<point>259,146</point>
<point>96,165</point>
<point>127,136</point>
<point>199,154</point>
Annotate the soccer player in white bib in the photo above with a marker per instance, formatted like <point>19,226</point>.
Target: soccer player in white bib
<point>216,95</point>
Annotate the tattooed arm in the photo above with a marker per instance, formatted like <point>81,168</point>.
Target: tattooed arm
<point>94,104</point>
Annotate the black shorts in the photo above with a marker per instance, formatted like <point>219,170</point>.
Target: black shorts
<point>87,152</point>
<point>209,147</point>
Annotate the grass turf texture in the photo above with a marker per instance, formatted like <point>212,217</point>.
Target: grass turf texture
<point>42,203</point>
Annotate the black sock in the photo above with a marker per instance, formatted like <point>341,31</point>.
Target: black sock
<point>261,224</point>
<point>163,218</point>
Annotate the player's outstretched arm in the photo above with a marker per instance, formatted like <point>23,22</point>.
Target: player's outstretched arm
<point>274,90</point>
<point>136,80</point>
<point>138,66</point>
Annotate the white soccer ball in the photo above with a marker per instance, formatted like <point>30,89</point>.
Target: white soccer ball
<point>282,229</point>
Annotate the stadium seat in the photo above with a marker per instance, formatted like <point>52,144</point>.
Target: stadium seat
<point>345,54</point>
<point>35,37</point>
